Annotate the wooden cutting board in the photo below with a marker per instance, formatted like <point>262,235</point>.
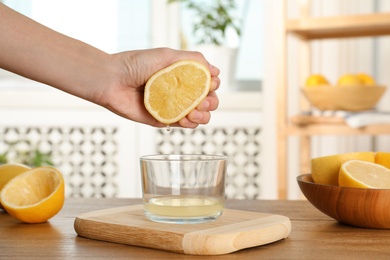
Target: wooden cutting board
<point>233,231</point>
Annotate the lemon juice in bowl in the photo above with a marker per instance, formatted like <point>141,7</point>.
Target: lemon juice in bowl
<point>183,188</point>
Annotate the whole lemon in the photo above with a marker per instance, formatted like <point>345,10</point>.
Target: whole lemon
<point>366,79</point>
<point>349,80</point>
<point>316,80</point>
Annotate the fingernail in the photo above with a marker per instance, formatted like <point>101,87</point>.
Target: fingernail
<point>214,85</point>
<point>214,69</point>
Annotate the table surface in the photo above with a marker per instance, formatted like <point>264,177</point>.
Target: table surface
<point>313,236</point>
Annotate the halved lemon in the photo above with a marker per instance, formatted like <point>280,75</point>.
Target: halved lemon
<point>361,174</point>
<point>34,196</point>
<point>173,92</point>
<point>9,171</point>
<point>325,169</point>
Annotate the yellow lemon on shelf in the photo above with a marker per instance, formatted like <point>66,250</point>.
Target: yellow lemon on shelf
<point>34,196</point>
<point>325,169</point>
<point>316,80</point>
<point>366,79</point>
<point>349,80</point>
<point>8,171</point>
<point>361,174</point>
<point>173,92</point>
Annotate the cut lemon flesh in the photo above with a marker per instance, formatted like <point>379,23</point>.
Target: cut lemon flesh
<point>9,171</point>
<point>360,174</point>
<point>325,170</point>
<point>173,92</point>
<point>34,196</point>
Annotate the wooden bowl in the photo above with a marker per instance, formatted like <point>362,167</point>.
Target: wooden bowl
<point>349,98</point>
<point>368,208</point>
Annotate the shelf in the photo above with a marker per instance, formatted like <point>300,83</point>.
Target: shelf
<point>340,27</point>
<point>305,120</point>
<point>331,125</point>
<point>338,129</point>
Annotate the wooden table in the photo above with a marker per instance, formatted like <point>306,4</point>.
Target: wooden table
<point>313,236</point>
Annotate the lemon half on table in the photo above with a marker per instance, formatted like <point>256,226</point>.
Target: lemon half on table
<point>34,196</point>
<point>9,171</point>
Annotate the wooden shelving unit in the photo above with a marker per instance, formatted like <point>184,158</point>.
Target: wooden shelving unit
<point>309,28</point>
<point>306,29</point>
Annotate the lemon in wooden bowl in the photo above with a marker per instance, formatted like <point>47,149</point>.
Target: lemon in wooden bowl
<point>344,97</point>
<point>367,206</point>
<point>353,92</point>
<point>316,80</point>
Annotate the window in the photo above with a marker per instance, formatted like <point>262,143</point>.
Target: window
<point>110,25</point>
<point>119,25</point>
<point>250,53</point>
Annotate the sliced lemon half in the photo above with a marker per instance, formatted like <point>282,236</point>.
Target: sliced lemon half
<point>173,92</point>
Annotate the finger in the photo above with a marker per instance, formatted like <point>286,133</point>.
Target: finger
<point>204,105</point>
<point>199,117</point>
<point>210,103</point>
<point>215,83</point>
<point>186,123</point>
<point>214,71</point>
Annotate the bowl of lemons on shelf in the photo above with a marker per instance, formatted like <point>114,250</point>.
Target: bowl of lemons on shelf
<point>352,188</point>
<point>352,92</point>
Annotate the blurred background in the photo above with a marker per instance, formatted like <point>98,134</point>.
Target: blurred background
<point>98,151</point>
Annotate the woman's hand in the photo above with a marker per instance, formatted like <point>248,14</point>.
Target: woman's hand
<point>126,96</point>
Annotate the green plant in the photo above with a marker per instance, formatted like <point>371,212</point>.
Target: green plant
<point>33,157</point>
<point>213,19</point>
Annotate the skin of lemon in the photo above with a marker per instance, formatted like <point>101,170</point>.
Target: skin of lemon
<point>316,80</point>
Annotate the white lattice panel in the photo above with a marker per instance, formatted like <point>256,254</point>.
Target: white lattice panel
<point>240,144</point>
<point>85,155</point>
<point>98,152</point>
<point>92,148</point>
